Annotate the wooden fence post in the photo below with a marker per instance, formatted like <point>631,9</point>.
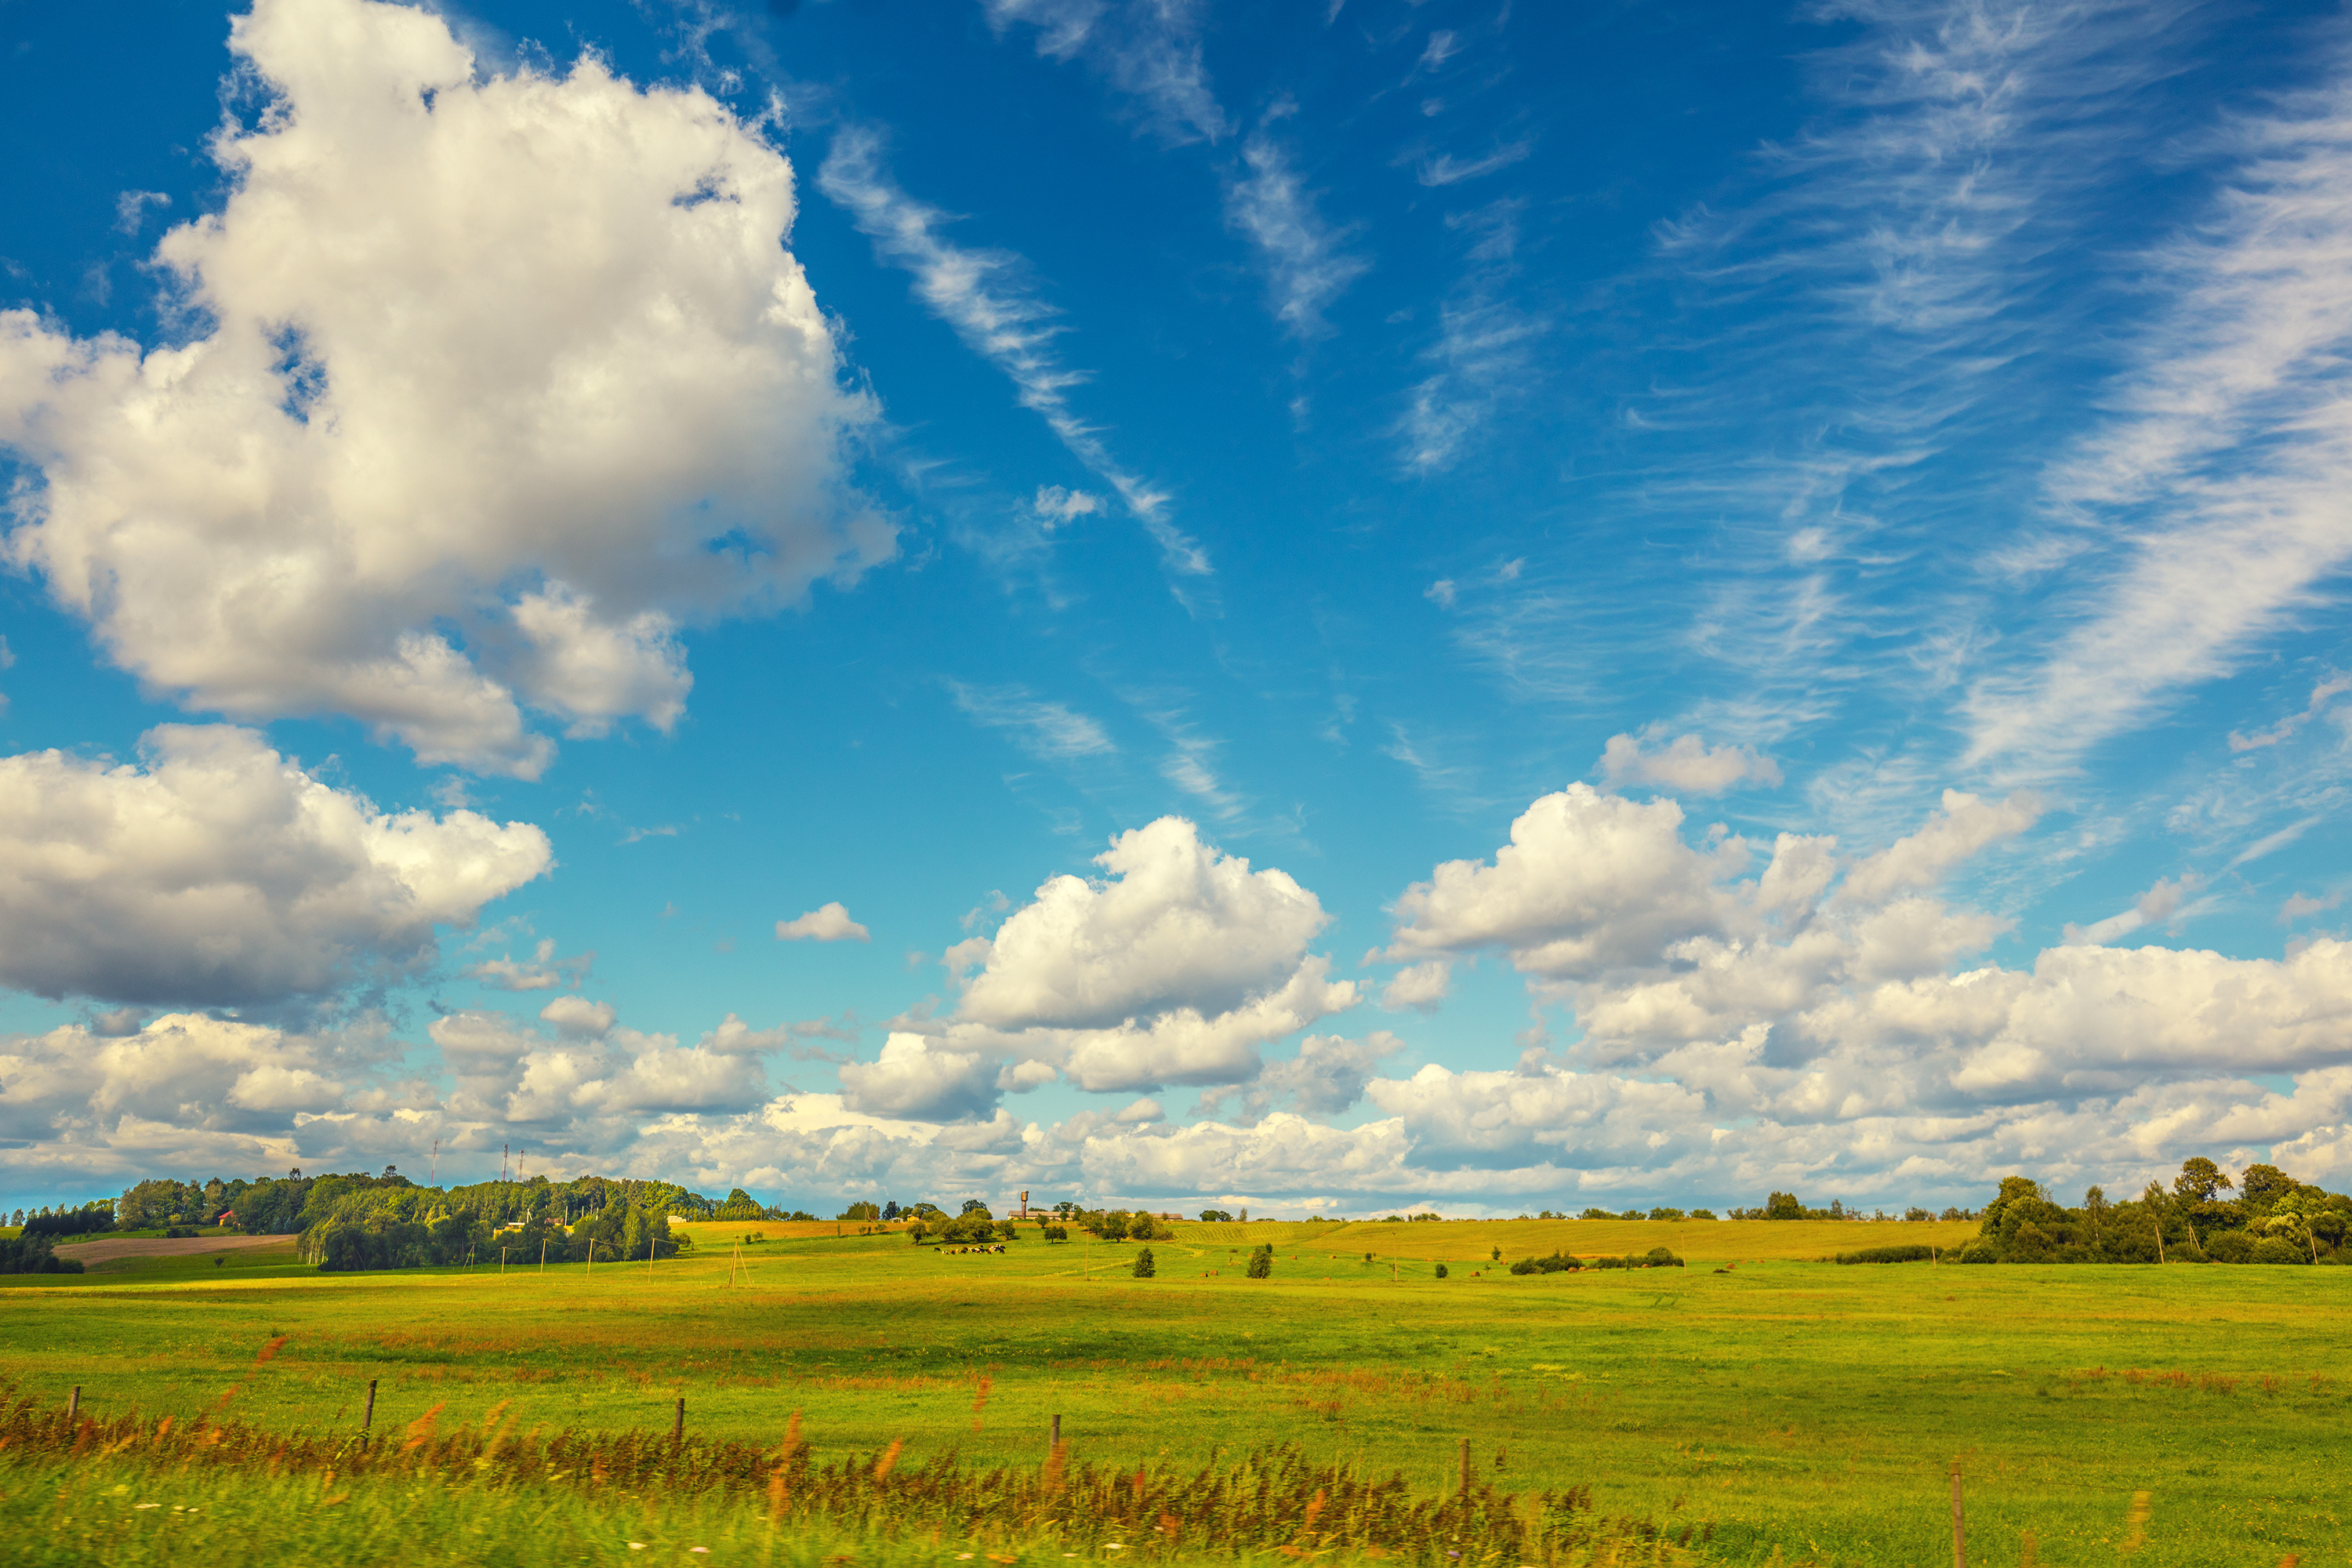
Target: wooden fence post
<point>73,1402</point>
<point>1465,1475</point>
<point>1055,1440</point>
<point>367,1415</point>
<point>1959,1527</point>
<point>677,1427</point>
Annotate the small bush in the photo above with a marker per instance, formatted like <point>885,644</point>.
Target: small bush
<point>1918,1254</point>
<point>1981,1252</point>
<point>1440,1271</point>
<point>1555,1264</point>
<point>1055,1232</point>
<point>1661,1258</point>
<point>2279,1249</point>
<point>2229,1246</point>
<point>1144,1266</point>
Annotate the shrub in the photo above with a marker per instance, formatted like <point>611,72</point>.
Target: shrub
<point>2030,1243</point>
<point>1981,1252</point>
<point>1144,1264</point>
<point>1914,1254</point>
<point>1557,1262</point>
<point>1440,1271</point>
<point>2280,1249</point>
<point>1261,1263</point>
<point>1055,1232</point>
<point>1661,1258</point>
<point>2229,1246</point>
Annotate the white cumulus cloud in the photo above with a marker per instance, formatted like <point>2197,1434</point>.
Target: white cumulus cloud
<point>1685,764</point>
<point>219,872</point>
<point>502,377</point>
<point>830,922</point>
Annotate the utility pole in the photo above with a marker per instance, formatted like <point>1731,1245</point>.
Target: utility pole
<point>434,1173</point>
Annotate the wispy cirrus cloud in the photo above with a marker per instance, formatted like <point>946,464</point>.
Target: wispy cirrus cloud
<point>1444,168</point>
<point>1150,51</point>
<point>1050,731</point>
<point>987,296</point>
<point>1485,351</point>
<point>2221,473</point>
<point>1305,259</point>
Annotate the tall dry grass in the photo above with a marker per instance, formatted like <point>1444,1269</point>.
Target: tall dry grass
<point>1272,1499</point>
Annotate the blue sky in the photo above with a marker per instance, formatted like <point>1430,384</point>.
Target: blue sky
<point>1324,607</point>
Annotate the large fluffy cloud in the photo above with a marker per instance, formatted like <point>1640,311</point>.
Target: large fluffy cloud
<point>1175,968</point>
<point>1175,924</point>
<point>1587,880</point>
<point>591,1071</point>
<point>1830,1010</point>
<point>219,872</point>
<point>498,378</point>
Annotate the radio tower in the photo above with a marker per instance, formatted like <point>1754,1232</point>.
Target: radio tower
<point>503,1150</point>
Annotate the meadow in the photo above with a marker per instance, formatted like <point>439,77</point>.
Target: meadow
<point>1797,1409</point>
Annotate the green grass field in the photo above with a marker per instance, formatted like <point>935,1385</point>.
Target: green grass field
<point>1802,1408</point>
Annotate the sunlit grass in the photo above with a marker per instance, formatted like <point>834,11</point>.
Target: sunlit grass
<point>1813,1409</point>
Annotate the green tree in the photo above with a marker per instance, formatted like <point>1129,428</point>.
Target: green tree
<point>865,1213</point>
<point>1144,1266</point>
<point>1261,1263</point>
<point>1782,1205</point>
<point>2199,1180</point>
<point>974,1208</point>
<point>740,1205</point>
<point>2262,1185</point>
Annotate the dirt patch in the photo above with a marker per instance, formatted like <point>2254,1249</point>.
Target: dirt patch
<point>113,1247</point>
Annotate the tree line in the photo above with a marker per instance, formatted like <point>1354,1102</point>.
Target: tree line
<point>2260,1216</point>
<point>353,1220</point>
